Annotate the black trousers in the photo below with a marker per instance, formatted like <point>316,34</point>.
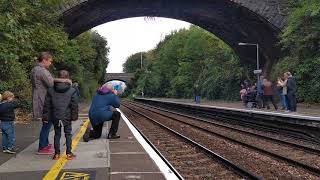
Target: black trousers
<point>267,99</point>
<point>67,126</point>
<point>97,129</point>
<point>292,102</point>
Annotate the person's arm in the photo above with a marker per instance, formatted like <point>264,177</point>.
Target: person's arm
<point>74,106</point>
<point>63,80</point>
<point>47,78</point>
<point>116,102</point>
<point>47,108</point>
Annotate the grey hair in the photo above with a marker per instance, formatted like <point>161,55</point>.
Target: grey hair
<point>108,85</point>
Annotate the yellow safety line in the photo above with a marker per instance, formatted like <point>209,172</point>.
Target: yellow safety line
<point>58,166</point>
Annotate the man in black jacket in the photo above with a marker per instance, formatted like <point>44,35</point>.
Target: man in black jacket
<point>61,107</point>
<point>291,94</point>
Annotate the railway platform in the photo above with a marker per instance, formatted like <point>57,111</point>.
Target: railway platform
<point>305,113</point>
<point>129,157</point>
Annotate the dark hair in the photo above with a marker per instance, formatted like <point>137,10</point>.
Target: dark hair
<point>44,55</point>
<point>64,74</point>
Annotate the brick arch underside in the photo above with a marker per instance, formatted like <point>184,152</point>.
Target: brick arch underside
<point>228,20</point>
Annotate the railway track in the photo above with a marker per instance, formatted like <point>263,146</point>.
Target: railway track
<point>273,129</point>
<point>228,127</point>
<point>203,127</point>
<point>191,159</point>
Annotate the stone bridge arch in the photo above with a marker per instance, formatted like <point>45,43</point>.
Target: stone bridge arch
<point>233,21</point>
<point>124,77</point>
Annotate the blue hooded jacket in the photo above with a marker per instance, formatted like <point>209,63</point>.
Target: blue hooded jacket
<point>100,109</point>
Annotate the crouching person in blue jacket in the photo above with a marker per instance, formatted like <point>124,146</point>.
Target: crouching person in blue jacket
<point>102,110</point>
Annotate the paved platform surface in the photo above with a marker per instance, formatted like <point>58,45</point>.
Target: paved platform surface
<point>100,159</point>
<point>302,109</point>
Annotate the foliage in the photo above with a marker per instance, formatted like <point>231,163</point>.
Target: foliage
<point>30,27</point>
<point>301,46</point>
<point>133,62</point>
<point>187,58</point>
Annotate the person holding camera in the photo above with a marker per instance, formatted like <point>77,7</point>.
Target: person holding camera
<point>61,107</point>
<point>102,110</point>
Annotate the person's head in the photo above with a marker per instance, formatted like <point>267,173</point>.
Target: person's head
<point>63,74</point>
<point>109,86</point>
<point>265,80</point>
<point>286,75</point>
<point>7,96</point>
<point>289,74</point>
<point>45,58</point>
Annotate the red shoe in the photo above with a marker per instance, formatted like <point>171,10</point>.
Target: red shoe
<point>45,151</point>
<point>56,156</point>
<point>70,156</point>
<point>50,146</point>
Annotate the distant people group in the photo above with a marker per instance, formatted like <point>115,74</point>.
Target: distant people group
<point>55,103</point>
<point>264,92</point>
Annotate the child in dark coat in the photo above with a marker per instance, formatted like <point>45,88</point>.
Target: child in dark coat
<point>61,107</point>
<point>7,117</point>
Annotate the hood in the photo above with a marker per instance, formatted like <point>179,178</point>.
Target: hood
<point>62,87</point>
<point>103,90</point>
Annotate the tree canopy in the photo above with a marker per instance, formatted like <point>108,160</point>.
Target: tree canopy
<point>187,58</point>
<point>30,27</point>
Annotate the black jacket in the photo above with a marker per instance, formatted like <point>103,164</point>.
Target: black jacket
<point>7,111</point>
<point>291,85</point>
<point>61,103</point>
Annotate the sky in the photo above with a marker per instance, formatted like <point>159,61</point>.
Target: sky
<point>128,36</point>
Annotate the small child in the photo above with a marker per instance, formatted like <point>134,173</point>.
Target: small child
<point>61,107</point>
<point>7,117</point>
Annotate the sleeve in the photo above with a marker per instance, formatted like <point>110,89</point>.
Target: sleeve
<point>14,104</point>
<point>116,102</point>
<point>47,107</point>
<point>47,78</point>
<point>74,106</point>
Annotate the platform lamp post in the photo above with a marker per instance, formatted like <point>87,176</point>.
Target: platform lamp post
<point>258,71</point>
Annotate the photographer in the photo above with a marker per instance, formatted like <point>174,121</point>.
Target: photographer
<point>102,110</point>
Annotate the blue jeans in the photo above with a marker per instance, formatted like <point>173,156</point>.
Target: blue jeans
<point>284,101</point>
<point>198,99</point>
<point>8,137</point>
<point>44,135</point>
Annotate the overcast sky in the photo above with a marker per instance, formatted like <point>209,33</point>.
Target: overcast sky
<point>128,36</point>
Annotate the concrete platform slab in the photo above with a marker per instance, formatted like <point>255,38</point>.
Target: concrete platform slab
<point>123,158</point>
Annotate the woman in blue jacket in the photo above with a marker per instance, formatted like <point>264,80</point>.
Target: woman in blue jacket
<point>101,110</point>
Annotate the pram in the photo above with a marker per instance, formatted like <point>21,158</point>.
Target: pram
<point>250,100</point>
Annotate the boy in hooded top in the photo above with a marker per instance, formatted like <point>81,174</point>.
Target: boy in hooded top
<point>61,107</point>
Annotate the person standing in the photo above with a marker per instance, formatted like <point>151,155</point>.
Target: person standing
<point>61,106</point>
<point>283,90</point>
<point>42,80</point>
<point>292,89</point>
<point>268,94</point>
<point>260,101</point>
<point>101,110</point>
<point>7,117</point>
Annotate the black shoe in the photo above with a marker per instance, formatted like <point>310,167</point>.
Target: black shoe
<point>86,137</point>
<point>113,136</point>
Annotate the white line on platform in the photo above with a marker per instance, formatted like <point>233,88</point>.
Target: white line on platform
<point>156,158</point>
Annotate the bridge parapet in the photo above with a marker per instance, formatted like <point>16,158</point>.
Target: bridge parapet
<point>124,77</point>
